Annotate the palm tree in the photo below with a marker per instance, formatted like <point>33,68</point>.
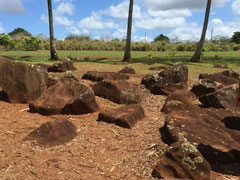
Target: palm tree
<point>197,55</point>
<point>127,54</point>
<point>53,51</point>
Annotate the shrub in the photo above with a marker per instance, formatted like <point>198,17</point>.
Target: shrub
<point>180,47</point>
<point>6,41</point>
<point>31,43</point>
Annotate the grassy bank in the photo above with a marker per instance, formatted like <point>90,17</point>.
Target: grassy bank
<point>107,60</point>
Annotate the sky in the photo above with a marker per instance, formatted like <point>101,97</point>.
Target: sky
<point>107,19</point>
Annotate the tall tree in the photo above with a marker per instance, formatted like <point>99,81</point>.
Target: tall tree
<point>197,55</point>
<point>127,54</point>
<point>53,51</point>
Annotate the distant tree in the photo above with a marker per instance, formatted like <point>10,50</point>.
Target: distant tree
<point>19,31</point>
<point>161,37</point>
<point>127,54</point>
<point>222,40</point>
<point>197,55</point>
<point>32,43</point>
<point>236,37</point>
<point>53,51</point>
<point>78,37</point>
<point>6,41</point>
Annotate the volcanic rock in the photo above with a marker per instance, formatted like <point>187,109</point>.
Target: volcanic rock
<point>226,78</point>
<point>121,92</point>
<point>178,73</point>
<point>205,86</point>
<point>126,116</point>
<point>66,97</point>
<point>223,98</point>
<point>183,160</point>
<point>171,79</point>
<point>22,82</point>
<point>182,96</point>
<point>62,66</point>
<point>53,133</point>
<point>206,128</point>
<point>99,76</point>
<point>128,70</point>
<point>54,78</point>
<point>174,105</point>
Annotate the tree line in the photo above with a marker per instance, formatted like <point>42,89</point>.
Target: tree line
<point>19,39</point>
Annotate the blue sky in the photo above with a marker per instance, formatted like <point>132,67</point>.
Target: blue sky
<point>108,18</point>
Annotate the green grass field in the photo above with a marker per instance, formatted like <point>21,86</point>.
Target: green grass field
<point>107,60</point>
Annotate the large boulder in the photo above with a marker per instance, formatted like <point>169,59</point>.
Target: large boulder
<point>226,78</point>
<point>99,76</point>
<point>126,116</point>
<point>171,79</point>
<point>208,129</point>
<point>183,160</point>
<point>178,73</point>
<point>179,100</point>
<point>62,66</point>
<point>66,97</point>
<point>53,133</point>
<point>205,86</point>
<point>223,98</point>
<point>23,83</point>
<point>128,70</point>
<point>121,92</point>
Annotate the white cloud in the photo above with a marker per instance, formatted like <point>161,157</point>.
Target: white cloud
<point>170,13</point>
<point>236,7</point>
<point>1,28</point>
<point>73,30</point>
<point>120,34</point>
<point>61,20</point>
<point>221,28</point>
<point>160,23</point>
<point>121,10</point>
<point>44,18</point>
<point>192,31</point>
<point>180,4</point>
<point>85,31</point>
<point>95,22</point>
<point>12,7</point>
<point>64,8</point>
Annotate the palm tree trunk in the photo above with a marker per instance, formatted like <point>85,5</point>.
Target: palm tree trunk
<point>127,54</point>
<point>53,51</point>
<point>197,55</point>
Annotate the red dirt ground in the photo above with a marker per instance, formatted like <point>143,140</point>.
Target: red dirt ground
<point>100,151</point>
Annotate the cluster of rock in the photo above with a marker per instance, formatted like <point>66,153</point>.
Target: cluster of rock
<point>167,81</point>
<point>62,93</point>
<point>115,87</point>
<point>212,130</point>
<point>198,136</point>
